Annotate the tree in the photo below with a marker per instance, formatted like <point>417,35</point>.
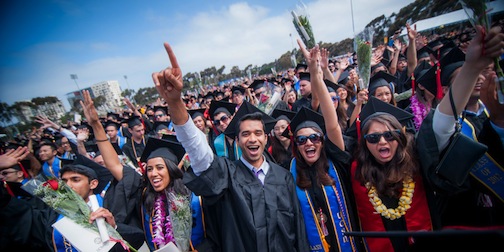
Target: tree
<point>128,93</point>
<point>5,113</point>
<point>99,101</point>
<point>146,95</point>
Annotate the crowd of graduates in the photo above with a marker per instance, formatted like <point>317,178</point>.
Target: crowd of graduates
<point>333,166</point>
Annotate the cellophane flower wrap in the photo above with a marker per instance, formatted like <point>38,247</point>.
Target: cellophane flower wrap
<point>65,201</point>
<point>477,11</point>
<point>269,98</point>
<point>181,219</point>
<point>303,26</point>
<point>364,43</point>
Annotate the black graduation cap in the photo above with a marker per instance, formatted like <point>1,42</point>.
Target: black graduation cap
<point>256,84</point>
<point>386,57</point>
<point>170,150</point>
<point>113,115</point>
<point>449,63</point>
<point>160,125</point>
<point>401,57</point>
<point>381,79</point>
<point>89,167</point>
<point>209,95</point>
<point>427,78</point>
<point>238,89</point>
<point>219,93</point>
<point>126,115</point>
<point>304,76</point>
<point>221,106</point>
<point>161,108</point>
<point>281,114</point>
<point>301,66</point>
<point>448,45</point>
<point>435,43</point>
<point>375,105</point>
<point>133,121</point>
<point>196,112</point>
<point>111,123</point>
<point>424,52</point>
<point>331,86</point>
<point>304,118</point>
<point>247,108</point>
<point>424,65</point>
<point>284,80</point>
<point>343,79</point>
<point>45,140</point>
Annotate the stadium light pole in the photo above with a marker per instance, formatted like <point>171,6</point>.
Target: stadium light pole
<point>74,77</point>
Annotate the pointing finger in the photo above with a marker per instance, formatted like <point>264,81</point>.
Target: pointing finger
<point>171,55</point>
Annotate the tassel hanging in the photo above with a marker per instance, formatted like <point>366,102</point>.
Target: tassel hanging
<point>412,84</point>
<point>439,91</point>
<point>25,173</point>
<point>358,124</point>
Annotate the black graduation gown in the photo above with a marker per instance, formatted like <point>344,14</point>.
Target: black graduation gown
<point>244,215</point>
<point>303,102</point>
<point>127,149</point>
<point>123,198</point>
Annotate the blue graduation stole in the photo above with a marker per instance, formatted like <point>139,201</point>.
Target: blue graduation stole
<point>59,242</point>
<point>121,141</point>
<point>221,147</point>
<point>52,171</point>
<point>197,232</point>
<point>487,171</point>
<point>336,202</point>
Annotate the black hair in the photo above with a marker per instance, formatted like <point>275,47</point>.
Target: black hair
<point>256,116</point>
<point>80,169</point>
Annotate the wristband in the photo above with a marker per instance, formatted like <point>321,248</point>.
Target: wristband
<point>103,140</point>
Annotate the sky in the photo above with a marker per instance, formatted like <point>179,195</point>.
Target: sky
<point>43,42</point>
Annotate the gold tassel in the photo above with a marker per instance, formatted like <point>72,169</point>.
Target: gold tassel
<point>325,244</point>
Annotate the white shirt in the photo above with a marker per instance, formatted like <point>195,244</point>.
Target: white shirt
<point>264,167</point>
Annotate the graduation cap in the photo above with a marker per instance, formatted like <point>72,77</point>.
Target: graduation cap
<point>196,112</point>
<point>386,57</point>
<point>85,125</point>
<point>381,79</point>
<point>133,121</point>
<point>160,125</point>
<point>331,86</point>
<point>170,150</point>
<point>449,63</point>
<point>427,78</point>
<point>281,114</point>
<point>164,109</point>
<point>219,93</point>
<point>247,108</point>
<point>256,84</point>
<point>305,118</point>
<point>401,57</point>
<point>285,80</point>
<point>111,123</point>
<point>304,76</point>
<point>380,64</point>
<point>301,66</point>
<point>424,52</point>
<point>435,43</point>
<point>448,45</point>
<point>221,107</point>
<point>238,90</point>
<point>210,95</point>
<point>115,116</point>
<point>343,79</point>
<point>83,165</point>
<point>424,65</point>
<point>375,105</point>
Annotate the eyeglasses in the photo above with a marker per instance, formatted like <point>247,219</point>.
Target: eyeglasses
<point>314,138</point>
<point>335,98</point>
<point>5,173</point>
<point>223,119</point>
<point>159,115</point>
<point>388,135</point>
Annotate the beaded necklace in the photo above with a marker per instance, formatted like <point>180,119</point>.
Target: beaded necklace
<point>404,201</point>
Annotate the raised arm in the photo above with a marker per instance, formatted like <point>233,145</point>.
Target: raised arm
<point>108,152</point>
<point>333,129</point>
<point>411,52</point>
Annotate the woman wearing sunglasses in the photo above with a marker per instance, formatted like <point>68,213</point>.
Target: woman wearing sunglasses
<point>320,181</point>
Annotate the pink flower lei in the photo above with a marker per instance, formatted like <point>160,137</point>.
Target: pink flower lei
<point>161,223</point>
<point>419,110</point>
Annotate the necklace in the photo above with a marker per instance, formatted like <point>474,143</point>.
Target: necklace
<point>419,110</point>
<point>161,223</point>
<point>404,200</point>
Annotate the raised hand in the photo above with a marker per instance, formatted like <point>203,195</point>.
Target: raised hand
<point>168,82</point>
<point>324,58</point>
<point>412,33</point>
<point>89,108</point>
<point>303,49</point>
<point>483,49</point>
<point>46,123</point>
<point>13,156</point>
<point>342,64</point>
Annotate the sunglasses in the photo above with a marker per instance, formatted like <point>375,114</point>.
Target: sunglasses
<point>159,115</point>
<point>388,135</point>
<point>5,173</point>
<point>314,138</point>
<point>335,98</point>
<point>222,119</point>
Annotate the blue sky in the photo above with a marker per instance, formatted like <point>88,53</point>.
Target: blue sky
<point>43,42</point>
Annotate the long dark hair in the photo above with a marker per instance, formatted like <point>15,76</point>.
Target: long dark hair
<point>320,167</point>
<point>387,178</point>
<point>176,184</point>
<point>279,153</point>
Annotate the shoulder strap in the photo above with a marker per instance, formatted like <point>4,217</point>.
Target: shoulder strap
<point>458,125</point>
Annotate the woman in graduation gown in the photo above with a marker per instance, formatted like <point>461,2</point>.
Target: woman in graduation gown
<point>318,169</point>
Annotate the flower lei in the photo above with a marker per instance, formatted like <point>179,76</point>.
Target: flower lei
<point>404,201</point>
<point>419,110</point>
<point>161,225</point>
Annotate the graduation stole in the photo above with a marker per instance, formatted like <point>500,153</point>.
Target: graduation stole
<point>221,147</point>
<point>487,171</point>
<point>121,141</point>
<point>61,244</point>
<point>336,202</point>
<point>53,170</point>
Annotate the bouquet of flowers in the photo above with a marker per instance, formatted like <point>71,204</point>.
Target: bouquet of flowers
<point>303,26</point>
<point>181,218</point>
<point>60,197</point>
<point>269,98</point>
<point>477,11</point>
<point>364,42</point>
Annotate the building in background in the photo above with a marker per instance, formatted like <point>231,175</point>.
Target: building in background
<point>111,91</point>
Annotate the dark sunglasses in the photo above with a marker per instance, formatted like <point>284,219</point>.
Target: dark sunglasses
<point>314,138</point>
<point>388,135</point>
<point>222,119</point>
<point>5,173</point>
<point>335,98</point>
<point>160,115</point>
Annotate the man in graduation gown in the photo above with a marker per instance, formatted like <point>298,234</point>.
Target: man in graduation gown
<point>247,212</point>
<point>134,148</point>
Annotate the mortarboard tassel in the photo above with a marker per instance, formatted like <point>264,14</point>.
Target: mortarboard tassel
<point>357,124</point>
<point>9,190</point>
<point>25,174</point>
<point>439,91</point>
<point>412,84</point>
